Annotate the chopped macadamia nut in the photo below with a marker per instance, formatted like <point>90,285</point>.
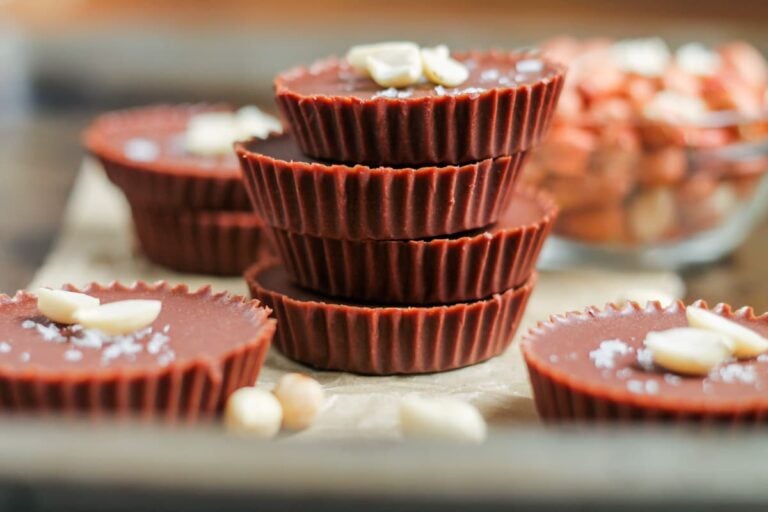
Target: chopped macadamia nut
<point>253,412</point>
<point>61,305</point>
<point>357,56</point>
<point>687,350</point>
<point>441,69</point>
<point>301,398</point>
<point>395,69</point>
<point>122,317</point>
<point>444,419</point>
<point>746,342</point>
<point>213,133</point>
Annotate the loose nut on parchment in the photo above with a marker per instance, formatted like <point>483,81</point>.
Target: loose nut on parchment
<point>301,397</point>
<point>253,412</point>
<point>444,419</point>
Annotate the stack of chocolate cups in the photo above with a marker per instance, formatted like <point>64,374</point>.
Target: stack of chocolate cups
<point>405,245</point>
<point>190,213</point>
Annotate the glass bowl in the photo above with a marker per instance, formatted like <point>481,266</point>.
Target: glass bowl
<point>653,194</point>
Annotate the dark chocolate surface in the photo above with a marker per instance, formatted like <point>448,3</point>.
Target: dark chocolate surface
<point>573,350</point>
<point>188,327</point>
<point>334,77</point>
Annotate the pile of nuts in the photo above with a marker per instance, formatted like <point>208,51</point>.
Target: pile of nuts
<point>632,156</point>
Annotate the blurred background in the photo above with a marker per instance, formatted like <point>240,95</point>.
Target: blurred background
<point>63,61</point>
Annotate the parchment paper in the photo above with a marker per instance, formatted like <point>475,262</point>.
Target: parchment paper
<point>96,245</point>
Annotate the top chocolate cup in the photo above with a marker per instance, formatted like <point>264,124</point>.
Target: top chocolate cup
<point>142,152</point>
<point>504,107</point>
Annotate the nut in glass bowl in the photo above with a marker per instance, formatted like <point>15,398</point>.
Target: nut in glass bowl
<point>657,159</point>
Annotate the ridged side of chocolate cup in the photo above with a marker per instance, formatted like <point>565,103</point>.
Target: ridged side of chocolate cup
<point>436,271</point>
<point>217,243</point>
<point>180,392</point>
<point>560,398</point>
<point>164,183</point>
<point>392,340</point>
<point>359,202</point>
<point>458,128</point>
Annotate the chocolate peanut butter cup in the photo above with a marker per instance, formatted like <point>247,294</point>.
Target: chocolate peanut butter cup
<point>467,267</point>
<point>594,366</point>
<point>142,151</point>
<point>505,106</point>
<point>379,340</point>
<point>201,242</point>
<point>355,202</point>
<point>182,367</point>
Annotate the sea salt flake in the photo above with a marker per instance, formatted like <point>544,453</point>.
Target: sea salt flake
<point>553,358</point>
<point>604,355</point>
<point>624,373</point>
<point>50,333</point>
<point>25,357</point>
<point>529,66</point>
<point>28,324</point>
<point>489,75</point>
<point>639,387</point>
<point>73,355</point>
<point>167,328</point>
<point>735,372</point>
<point>645,359</point>
<point>141,150</point>
<point>440,90</point>
<point>156,342</point>
<point>5,347</point>
<point>89,338</point>
<point>672,379</point>
<point>470,90</point>
<point>166,358</point>
<point>762,358</point>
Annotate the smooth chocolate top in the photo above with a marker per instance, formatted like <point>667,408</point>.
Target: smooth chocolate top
<point>155,136</point>
<point>606,352</point>
<point>190,326</point>
<point>487,70</point>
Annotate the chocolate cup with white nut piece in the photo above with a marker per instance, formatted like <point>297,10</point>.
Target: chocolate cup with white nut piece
<point>469,266</point>
<point>296,193</point>
<point>202,242</point>
<point>181,368</point>
<point>504,107</point>
<point>333,334</point>
<point>592,366</point>
<point>142,152</point>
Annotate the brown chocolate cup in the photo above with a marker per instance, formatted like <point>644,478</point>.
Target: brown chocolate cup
<point>167,181</point>
<point>433,271</point>
<point>562,396</point>
<point>187,390</point>
<point>333,335</point>
<point>383,203</point>
<point>217,243</point>
<point>431,130</point>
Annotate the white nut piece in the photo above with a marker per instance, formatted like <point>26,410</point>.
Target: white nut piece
<point>301,398</point>
<point>121,317</point>
<point>253,122</point>
<point>253,412</point>
<point>688,350</point>
<point>441,69</point>
<point>441,419</point>
<point>645,295</point>
<point>396,69</point>
<point>357,56</point>
<point>61,305</point>
<point>211,133</point>
<point>746,342</point>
